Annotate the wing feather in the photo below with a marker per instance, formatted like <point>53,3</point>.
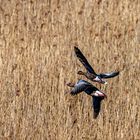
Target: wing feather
<point>83,60</point>
<point>109,75</point>
<point>80,86</point>
<point>96,105</point>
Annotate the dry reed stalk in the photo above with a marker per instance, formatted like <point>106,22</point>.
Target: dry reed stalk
<point>37,59</point>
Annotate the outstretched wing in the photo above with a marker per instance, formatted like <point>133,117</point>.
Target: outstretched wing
<point>96,105</point>
<point>80,86</point>
<point>83,60</point>
<point>109,75</point>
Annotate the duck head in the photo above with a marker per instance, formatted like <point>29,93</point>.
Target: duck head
<point>70,84</point>
<point>80,73</point>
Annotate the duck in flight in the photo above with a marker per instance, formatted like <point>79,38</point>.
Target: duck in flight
<point>91,74</point>
<point>95,93</point>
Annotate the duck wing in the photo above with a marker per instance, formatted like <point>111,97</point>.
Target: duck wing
<point>109,75</point>
<point>80,86</point>
<point>96,105</point>
<point>83,60</point>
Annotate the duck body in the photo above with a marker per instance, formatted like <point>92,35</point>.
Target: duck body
<point>92,77</point>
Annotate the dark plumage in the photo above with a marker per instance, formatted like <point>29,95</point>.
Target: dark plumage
<point>91,74</point>
<point>97,95</point>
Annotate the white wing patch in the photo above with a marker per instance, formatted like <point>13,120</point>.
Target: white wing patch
<point>97,93</point>
<point>97,78</point>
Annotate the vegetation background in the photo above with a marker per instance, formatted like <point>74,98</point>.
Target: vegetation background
<point>37,60</point>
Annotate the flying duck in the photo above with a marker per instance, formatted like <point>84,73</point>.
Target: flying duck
<point>97,95</point>
<point>91,74</point>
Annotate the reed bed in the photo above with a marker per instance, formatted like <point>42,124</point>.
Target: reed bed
<point>37,60</point>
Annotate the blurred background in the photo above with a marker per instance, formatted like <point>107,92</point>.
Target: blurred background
<point>37,60</point>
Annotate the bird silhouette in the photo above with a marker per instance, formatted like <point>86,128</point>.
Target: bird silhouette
<point>88,88</point>
<point>91,74</point>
